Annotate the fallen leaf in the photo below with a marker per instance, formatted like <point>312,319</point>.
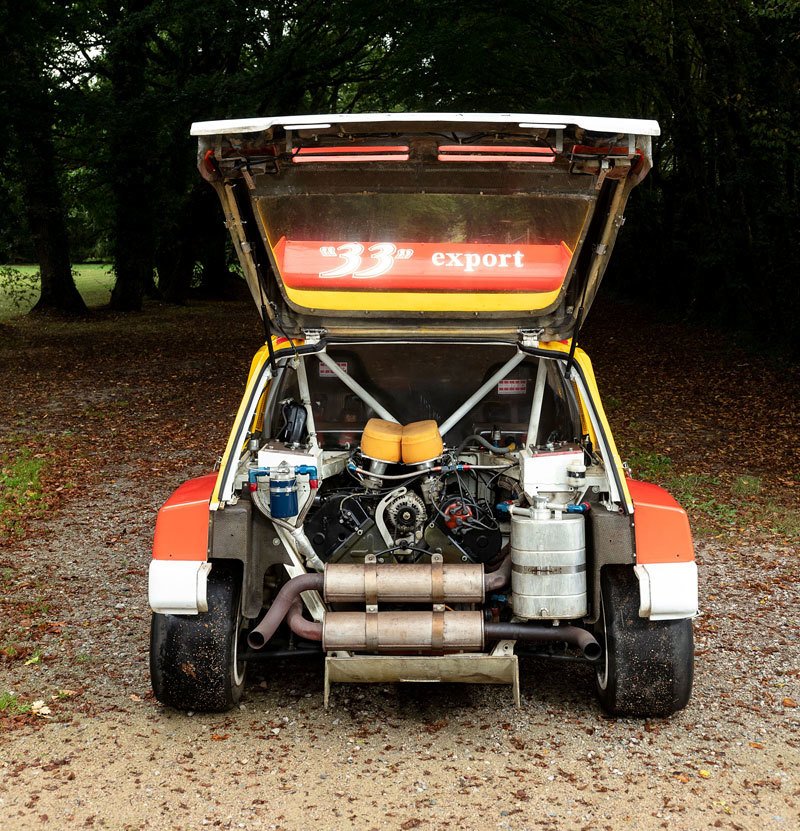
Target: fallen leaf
<point>706,774</point>
<point>756,745</point>
<point>39,708</point>
<point>789,702</point>
<point>219,737</point>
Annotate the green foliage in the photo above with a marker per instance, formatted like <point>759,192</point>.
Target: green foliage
<point>18,289</point>
<point>712,232</point>
<point>19,293</point>
<point>648,465</point>
<point>746,486</point>
<point>21,494</point>
<point>12,705</point>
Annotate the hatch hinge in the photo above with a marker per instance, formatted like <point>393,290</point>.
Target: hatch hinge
<point>313,336</point>
<point>530,337</point>
<point>600,249</point>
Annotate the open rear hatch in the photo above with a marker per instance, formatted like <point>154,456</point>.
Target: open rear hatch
<point>436,224</point>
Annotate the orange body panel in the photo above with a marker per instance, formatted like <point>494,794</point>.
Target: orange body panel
<point>182,524</point>
<point>661,527</point>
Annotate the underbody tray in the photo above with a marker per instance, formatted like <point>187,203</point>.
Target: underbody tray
<point>468,668</point>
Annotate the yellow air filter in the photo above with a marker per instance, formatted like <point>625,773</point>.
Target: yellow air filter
<point>421,442</point>
<point>381,440</point>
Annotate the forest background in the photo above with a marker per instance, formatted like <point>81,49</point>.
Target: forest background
<point>97,97</point>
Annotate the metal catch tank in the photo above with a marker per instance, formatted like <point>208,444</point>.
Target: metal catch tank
<point>548,565</point>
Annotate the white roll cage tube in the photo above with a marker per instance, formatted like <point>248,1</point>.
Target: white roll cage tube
<point>368,399</point>
<point>533,426</point>
<point>481,392</point>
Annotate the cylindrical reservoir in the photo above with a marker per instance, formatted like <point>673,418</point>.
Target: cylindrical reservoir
<point>282,492</point>
<point>548,566</point>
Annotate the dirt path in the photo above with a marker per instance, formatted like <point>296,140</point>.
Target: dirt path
<point>124,417</point>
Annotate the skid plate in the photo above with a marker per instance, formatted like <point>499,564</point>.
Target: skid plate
<point>462,669</point>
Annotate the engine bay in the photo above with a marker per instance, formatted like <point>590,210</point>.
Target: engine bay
<point>344,482</point>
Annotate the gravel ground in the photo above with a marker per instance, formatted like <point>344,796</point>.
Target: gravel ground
<point>140,417</point>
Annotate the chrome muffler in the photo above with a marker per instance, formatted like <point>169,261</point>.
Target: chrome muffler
<point>374,583</point>
<point>402,631</point>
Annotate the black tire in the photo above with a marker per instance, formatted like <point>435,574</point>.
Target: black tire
<point>647,667</point>
<point>194,662</point>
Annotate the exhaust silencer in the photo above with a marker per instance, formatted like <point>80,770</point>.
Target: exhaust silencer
<point>402,631</point>
<point>434,582</point>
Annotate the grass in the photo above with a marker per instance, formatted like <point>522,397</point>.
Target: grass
<point>701,496</point>
<point>649,466</point>
<point>715,505</point>
<point>21,492</point>
<point>18,295</point>
<point>10,705</point>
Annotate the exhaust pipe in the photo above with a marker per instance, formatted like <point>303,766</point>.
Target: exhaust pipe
<point>290,591</point>
<point>436,583</point>
<point>311,630</point>
<point>573,635</point>
<point>499,578</point>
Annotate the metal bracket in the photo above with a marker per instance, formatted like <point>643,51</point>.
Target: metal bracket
<point>530,337</point>
<point>248,178</point>
<point>313,336</point>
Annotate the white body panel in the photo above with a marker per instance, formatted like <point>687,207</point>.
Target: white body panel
<point>178,587</point>
<point>615,126</point>
<point>667,591</point>
<point>546,471</point>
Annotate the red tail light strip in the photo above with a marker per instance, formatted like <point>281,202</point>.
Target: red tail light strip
<point>494,153</point>
<point>323,155</point>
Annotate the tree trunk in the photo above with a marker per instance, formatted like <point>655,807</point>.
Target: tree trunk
<point>45,215</point>
<point>130,146</point>
<point>26,89</point>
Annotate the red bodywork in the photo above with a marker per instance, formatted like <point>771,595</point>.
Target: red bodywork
<point>182,523</point>
<point>422,266</point>
<point>661,527</point>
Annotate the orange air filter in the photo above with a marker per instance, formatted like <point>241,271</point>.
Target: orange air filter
<point>421,442</point>
<point>381,440</point>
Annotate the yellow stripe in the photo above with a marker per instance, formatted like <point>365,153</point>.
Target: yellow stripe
<point>257,364</point>
<point>582,359</point>
<point>401,301</point>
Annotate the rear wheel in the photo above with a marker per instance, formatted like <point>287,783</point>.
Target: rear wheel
<point>194,659</point>
<point>647,667</point>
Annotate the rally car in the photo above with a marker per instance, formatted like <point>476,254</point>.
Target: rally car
<point>421,483</point>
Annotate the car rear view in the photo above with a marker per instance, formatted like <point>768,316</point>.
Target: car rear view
<point>421,483</point>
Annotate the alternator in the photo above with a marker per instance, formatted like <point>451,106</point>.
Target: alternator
<point>407,514</point>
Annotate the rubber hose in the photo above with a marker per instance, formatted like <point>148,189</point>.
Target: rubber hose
<point>500,451</point>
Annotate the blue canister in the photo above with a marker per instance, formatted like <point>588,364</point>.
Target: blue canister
<point>282,492</point>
